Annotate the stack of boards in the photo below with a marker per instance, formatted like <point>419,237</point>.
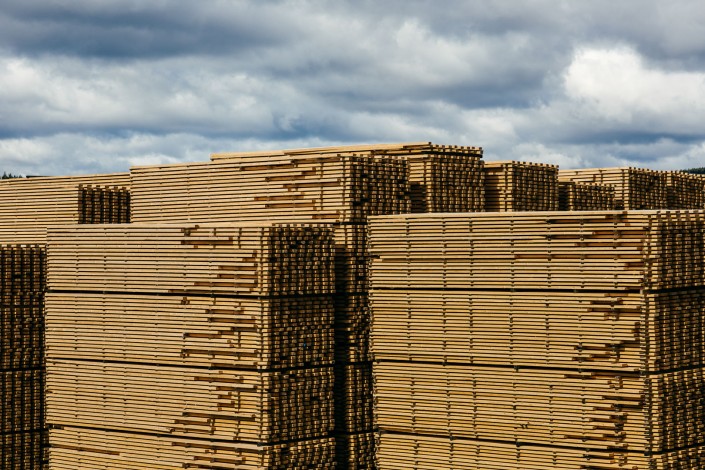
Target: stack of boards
<point>520,186</point>
<point>527,340</point>
<point>585,196</point>
<point>22,432</point>
<point>190,346</point>
<point>635,188</point>
<point>29,206</point>
<point>685,190</point>
<point>443,178</point>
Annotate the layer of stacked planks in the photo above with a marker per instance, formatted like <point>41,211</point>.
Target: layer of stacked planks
<point>544,340</point>
<point>585,196</point>
<point>685,190</point>
<point>22,432</point>
<point>190,346</point>
<point>520,186</point>
<point>30,205</point>
<point>635,188</point>
<point>443,178</point>
<point>333,188</point>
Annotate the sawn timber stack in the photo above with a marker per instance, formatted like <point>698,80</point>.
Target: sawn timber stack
<point>30,205</point>
<point>636,188</point>
<point>585,197</point>
<point>549,340</point>
<point>239,318</point>
<point>341,186</point>
<point>520,186</point>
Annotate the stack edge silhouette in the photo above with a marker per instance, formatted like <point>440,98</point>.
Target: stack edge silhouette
<point>554,340</point>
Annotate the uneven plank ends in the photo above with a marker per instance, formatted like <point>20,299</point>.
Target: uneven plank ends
<point>228,259</point>
<point>247,332</point>
<point>585,197</point>
<point>337,186</point>
<point>231,405</point>
<point>444,178</point>
<point>539,340</point>
<point>636,188</point>
<point>357,451</point>
<point>91,449</point>
<point>22,284</point>
<point>685,190</point>
<point>404,451</point>
<point>192,345</point>
<point>615,331</point>
<point>616,250</point>
<point>642,412</point>
<point>520,186</point>
<point>333,188</point>
<point>31,205</point>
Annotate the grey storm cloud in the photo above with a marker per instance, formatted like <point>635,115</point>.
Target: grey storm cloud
<point>99,85</point>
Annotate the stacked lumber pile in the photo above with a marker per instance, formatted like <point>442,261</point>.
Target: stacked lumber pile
<point>539,340</point>
<point>31,205</point>
<point>685,190</point>
<point>520,186</point>
<point>585,197</point>
<point>175,346</point>
<point>337,186</point>
<point>636,188</point>
<point>22,430</point>
<point>443,178</point>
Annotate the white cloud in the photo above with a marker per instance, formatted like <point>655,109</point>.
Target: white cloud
<point>616,85</point>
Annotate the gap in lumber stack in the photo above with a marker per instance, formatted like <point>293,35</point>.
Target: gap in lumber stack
<point>190,346</point>
<point>536,340</point>
<point>29,206</point>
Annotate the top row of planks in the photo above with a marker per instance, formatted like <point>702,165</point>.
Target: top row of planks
<point>342,185</point>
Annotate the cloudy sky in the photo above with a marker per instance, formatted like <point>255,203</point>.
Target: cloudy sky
<point>99,85</point>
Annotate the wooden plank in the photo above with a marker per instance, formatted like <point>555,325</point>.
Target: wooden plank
<point>574,196</point>
<point>30,205</point>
